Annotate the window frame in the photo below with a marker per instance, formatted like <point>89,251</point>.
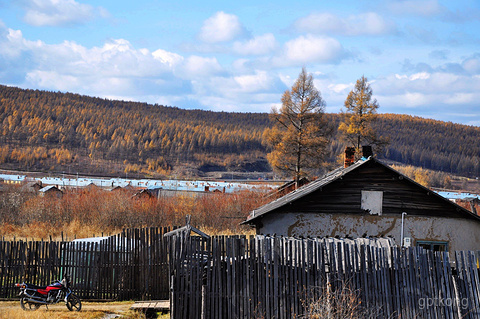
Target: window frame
<point>432,243</point>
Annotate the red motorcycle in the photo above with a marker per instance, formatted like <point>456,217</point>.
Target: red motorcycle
<point>32,296</point>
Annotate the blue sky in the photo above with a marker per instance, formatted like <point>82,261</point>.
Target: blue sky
<point>422,57</point>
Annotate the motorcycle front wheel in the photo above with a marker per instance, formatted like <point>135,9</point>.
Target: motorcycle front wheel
<point>28,305</point>
<point>74,303</point>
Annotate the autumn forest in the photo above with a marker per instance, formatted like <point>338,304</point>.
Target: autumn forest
<point>70,133</point>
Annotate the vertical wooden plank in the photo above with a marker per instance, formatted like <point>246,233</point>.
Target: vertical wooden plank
<point>243,278</point>
<point>3,260</point>
<point>407,293</point>
<point>275,277</point>
<point>222,270</point>
<point>436,309</point>
<point>282,277</point>
<point>262,270</point>
<point>296,276</point>
<point>220,285</point>
<point>228,255</point>
<point>443,284</point>
<point>236,277</point>
<point>412,281</point>
<point>473,273</point>
<point>436,283</point>
<point>253,297</point>
<point>447,274</point>
<point>462,285</point>
<point>468,285</point>
<point>268,288</point>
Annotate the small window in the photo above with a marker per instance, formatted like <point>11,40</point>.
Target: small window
<point>433,245</point>
<point>372,202</point>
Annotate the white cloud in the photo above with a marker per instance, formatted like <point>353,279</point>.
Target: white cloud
<point>310,49</point>
<point>431,94</point>
<point>59,12</point>
<point>462,98</point>
<point>119,70</point>
<point>416,7</point>
<point>259,81</point>
<point>472,65</point>
<point>253,92</point>
<point>436,93</point>
<point>112,69</point>
<point>419,76</point>
<point>221,27</point>
<point>369,23</point>
<point>255,104</point>
<point>243,87</point>
<point>52,79</point>
<point>412,99</point>
<point>340,88</point>
<point>241,65</point>
<point>13,45</point>
<point>259,45</point>
<point>195,67</point>
<point>165,57</point>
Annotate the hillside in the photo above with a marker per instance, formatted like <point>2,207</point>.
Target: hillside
<point>63,132</point>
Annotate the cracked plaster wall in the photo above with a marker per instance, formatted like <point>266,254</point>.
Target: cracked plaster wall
<point>461,234</point>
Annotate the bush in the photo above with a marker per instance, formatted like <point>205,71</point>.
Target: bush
<point>95,211</point>
<point>343,302</point>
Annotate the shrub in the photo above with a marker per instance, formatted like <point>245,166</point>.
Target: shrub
<point>343,302</point>
<point>100,211</point>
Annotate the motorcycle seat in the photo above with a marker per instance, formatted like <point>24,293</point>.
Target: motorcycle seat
<point>35,286</point>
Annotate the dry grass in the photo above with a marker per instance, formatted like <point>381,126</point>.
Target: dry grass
<point>213,231</point>
<point>38,231</point>
<point>90,310</point>
<point>12,310</point>
<point>344,302</point>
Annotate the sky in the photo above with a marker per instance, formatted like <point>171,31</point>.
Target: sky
<point>421,57</point>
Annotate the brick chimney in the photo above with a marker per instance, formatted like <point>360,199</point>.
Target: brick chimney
<point>349,156</point>
<point>367,151</point>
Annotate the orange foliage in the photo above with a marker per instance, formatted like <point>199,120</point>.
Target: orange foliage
<point>95,211</point>
<point>152,136</point>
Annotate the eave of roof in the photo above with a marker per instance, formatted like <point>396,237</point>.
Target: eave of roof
<point>47,188</point>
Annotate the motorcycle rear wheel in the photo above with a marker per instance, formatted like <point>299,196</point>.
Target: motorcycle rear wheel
<point>74,303</point>
<point>28,306</point>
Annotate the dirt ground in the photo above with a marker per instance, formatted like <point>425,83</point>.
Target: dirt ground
<point>90,310</point>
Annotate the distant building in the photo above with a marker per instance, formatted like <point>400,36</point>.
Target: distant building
<point>32,187</point>
<point>13,179</point>
<point>50,191</point>
<point>149,193</point>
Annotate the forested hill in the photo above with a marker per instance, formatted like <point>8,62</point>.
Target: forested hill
<point>66,132</point>
<point>432,144</point>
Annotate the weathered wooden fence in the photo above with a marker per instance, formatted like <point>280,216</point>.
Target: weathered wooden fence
<point>130,265</point>
<point>269,277</point>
